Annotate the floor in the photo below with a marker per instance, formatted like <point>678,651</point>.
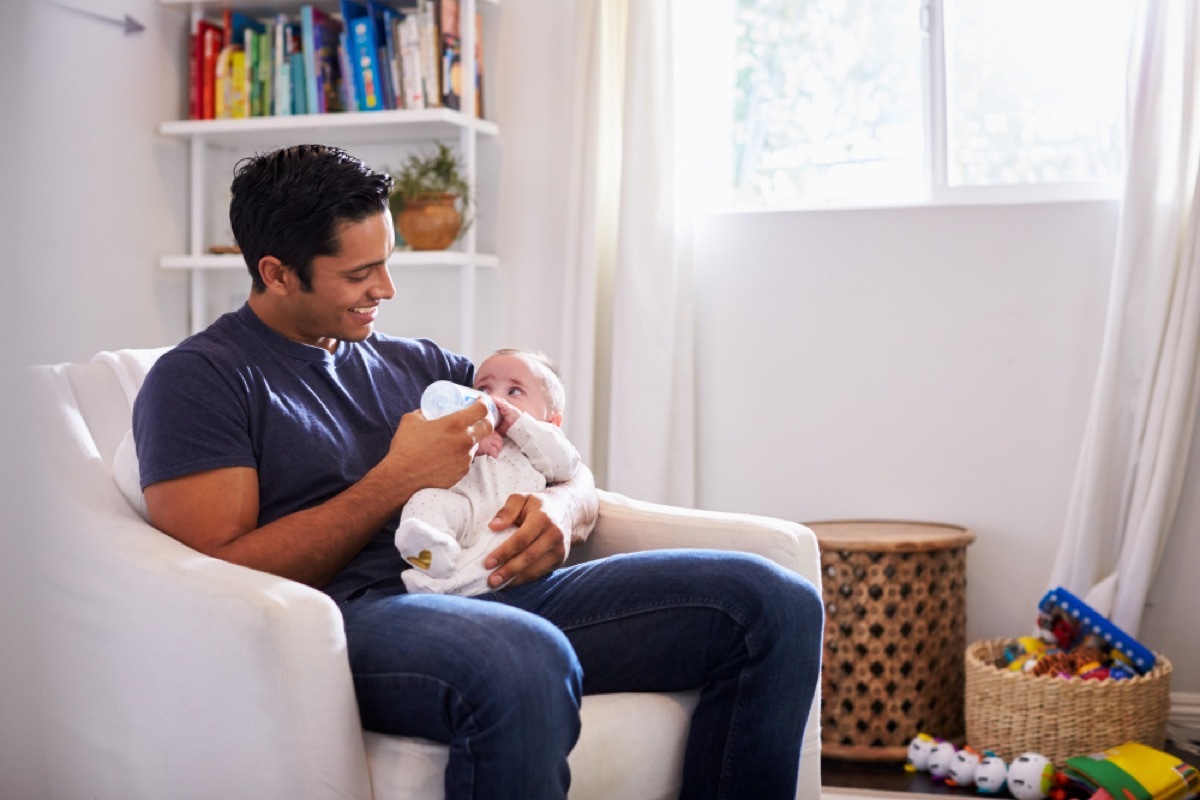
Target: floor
<point>889,778</point>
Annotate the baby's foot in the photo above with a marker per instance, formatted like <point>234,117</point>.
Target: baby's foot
<point>426,548</point>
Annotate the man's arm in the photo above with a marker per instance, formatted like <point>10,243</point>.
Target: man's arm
<point>216,512</point>
<point>548,523</point>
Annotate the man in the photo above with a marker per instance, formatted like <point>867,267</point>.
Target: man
<point>284,438</point>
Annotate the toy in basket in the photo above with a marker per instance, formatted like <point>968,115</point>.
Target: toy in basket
<point>1073,623</point>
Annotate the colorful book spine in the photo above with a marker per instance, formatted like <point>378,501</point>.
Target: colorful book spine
<point>299,87</point>
<point>253,87</point>
<point>431,85</point>
<point>451,54</point>
<point>478,65</point>
<point>319,32</point>
<point>194,76</point>
<point>366,65</point>
<point>212,39</point>
<point>282,86</point>
<point>379,13</point>
<point>239,100</point>
<point>222,79</point>
<point>349,95</point>
<point>410,56</point>
<point>391,33</point>
<point>266,72</point>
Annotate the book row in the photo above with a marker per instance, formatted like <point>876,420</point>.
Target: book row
<point>405,54</point>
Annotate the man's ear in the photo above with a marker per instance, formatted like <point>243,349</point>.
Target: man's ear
<point>278,278</point>
<point>555,419</point>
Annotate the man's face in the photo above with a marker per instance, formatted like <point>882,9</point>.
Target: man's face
<point>346,288</point>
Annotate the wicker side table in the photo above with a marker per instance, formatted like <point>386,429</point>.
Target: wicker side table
<point>895,633</point>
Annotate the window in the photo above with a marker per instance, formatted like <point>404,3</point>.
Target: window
<point>838,102</point>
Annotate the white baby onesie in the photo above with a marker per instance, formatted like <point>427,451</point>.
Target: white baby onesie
<point>444,533</point>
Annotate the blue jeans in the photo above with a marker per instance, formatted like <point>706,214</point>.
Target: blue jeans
<point>499,677</point>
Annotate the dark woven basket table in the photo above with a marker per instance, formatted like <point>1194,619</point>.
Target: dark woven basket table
<point>895,633</point>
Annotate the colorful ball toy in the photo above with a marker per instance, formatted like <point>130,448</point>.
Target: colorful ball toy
<point>991,775</point>
<point>1030,777</point>
<point>919,751</point>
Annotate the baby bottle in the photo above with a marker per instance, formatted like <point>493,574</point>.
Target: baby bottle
<point>445,397</point>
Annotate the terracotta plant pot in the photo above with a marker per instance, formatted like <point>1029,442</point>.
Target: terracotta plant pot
<point>430,221</point>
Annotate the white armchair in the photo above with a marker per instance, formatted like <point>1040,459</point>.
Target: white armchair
<point>177,675</point>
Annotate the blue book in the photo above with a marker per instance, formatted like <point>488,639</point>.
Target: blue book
<point>383,16</point>
<point>364,55</point>
<point>349,98</point>
<point>319,41</point>
<point>299,89</point>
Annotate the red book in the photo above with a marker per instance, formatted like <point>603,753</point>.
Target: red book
<point>212,39</point>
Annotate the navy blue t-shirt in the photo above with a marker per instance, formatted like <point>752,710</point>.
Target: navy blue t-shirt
<point>310,422</point>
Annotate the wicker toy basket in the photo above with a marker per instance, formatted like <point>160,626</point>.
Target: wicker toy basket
<point>1013,712</point>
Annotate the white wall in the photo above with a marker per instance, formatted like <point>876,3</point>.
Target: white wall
<point>919,363</point>
<point>922,363</point>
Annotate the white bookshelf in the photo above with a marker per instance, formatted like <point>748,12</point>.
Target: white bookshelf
<point>205,138</point>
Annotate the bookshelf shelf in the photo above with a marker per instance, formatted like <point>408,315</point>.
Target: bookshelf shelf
<point>399,260</point>
<point>338,128</point>
<point>380,127</point>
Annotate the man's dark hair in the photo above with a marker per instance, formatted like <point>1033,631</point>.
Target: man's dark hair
<point>289,203</point>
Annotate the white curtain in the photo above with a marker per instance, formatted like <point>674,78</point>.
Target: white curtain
<point>628,337</point>
<point>1141,420</point>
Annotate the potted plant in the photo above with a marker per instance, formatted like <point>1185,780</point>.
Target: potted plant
<point>430,199</point>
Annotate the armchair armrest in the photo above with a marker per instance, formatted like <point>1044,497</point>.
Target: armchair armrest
<point>626,525</point>
<point>168,673</point>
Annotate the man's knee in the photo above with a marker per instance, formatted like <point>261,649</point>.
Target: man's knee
<point>528,656</point>
<point>777,598</point>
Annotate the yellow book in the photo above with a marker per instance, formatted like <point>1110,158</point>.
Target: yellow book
<point>239,94</point>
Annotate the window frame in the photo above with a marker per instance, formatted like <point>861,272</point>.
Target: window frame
<point>937,190</point>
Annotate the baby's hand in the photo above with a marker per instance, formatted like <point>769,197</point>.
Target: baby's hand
<point>508,414</point>
<point>490,445</point>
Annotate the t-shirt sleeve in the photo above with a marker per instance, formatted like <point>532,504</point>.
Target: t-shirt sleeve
<point>188,418</point>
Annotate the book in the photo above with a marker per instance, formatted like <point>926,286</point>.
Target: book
<point>223,82</point>
<point>281,90</point>
<point>450,53</point>
<point>319,42</point>
<point>253,86</point>
<point>236,23</point>
<point>298,81</point>
<point>212,39</point>
<point>478,65</point>
<point>1134,771</point>
<point>431,84</point>
<point>266,72</point>
<point>349,98</point>
<point>239,95</point>
<point>413,84</point>
<point>381,15</point>
<point>193,76</point>
<point>391,38</point>
<point>364,55</point>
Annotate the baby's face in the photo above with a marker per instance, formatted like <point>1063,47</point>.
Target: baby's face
<point>517,380</point>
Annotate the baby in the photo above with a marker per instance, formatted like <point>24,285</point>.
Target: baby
<point>444,533</point>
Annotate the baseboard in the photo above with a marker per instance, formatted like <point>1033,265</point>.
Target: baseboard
<point>1183,720</point>
<point>842,793</point>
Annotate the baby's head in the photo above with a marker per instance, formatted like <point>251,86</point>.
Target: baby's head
<point>525,378</point>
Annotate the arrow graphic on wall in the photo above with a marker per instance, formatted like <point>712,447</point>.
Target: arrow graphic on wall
<point>130,24</point>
